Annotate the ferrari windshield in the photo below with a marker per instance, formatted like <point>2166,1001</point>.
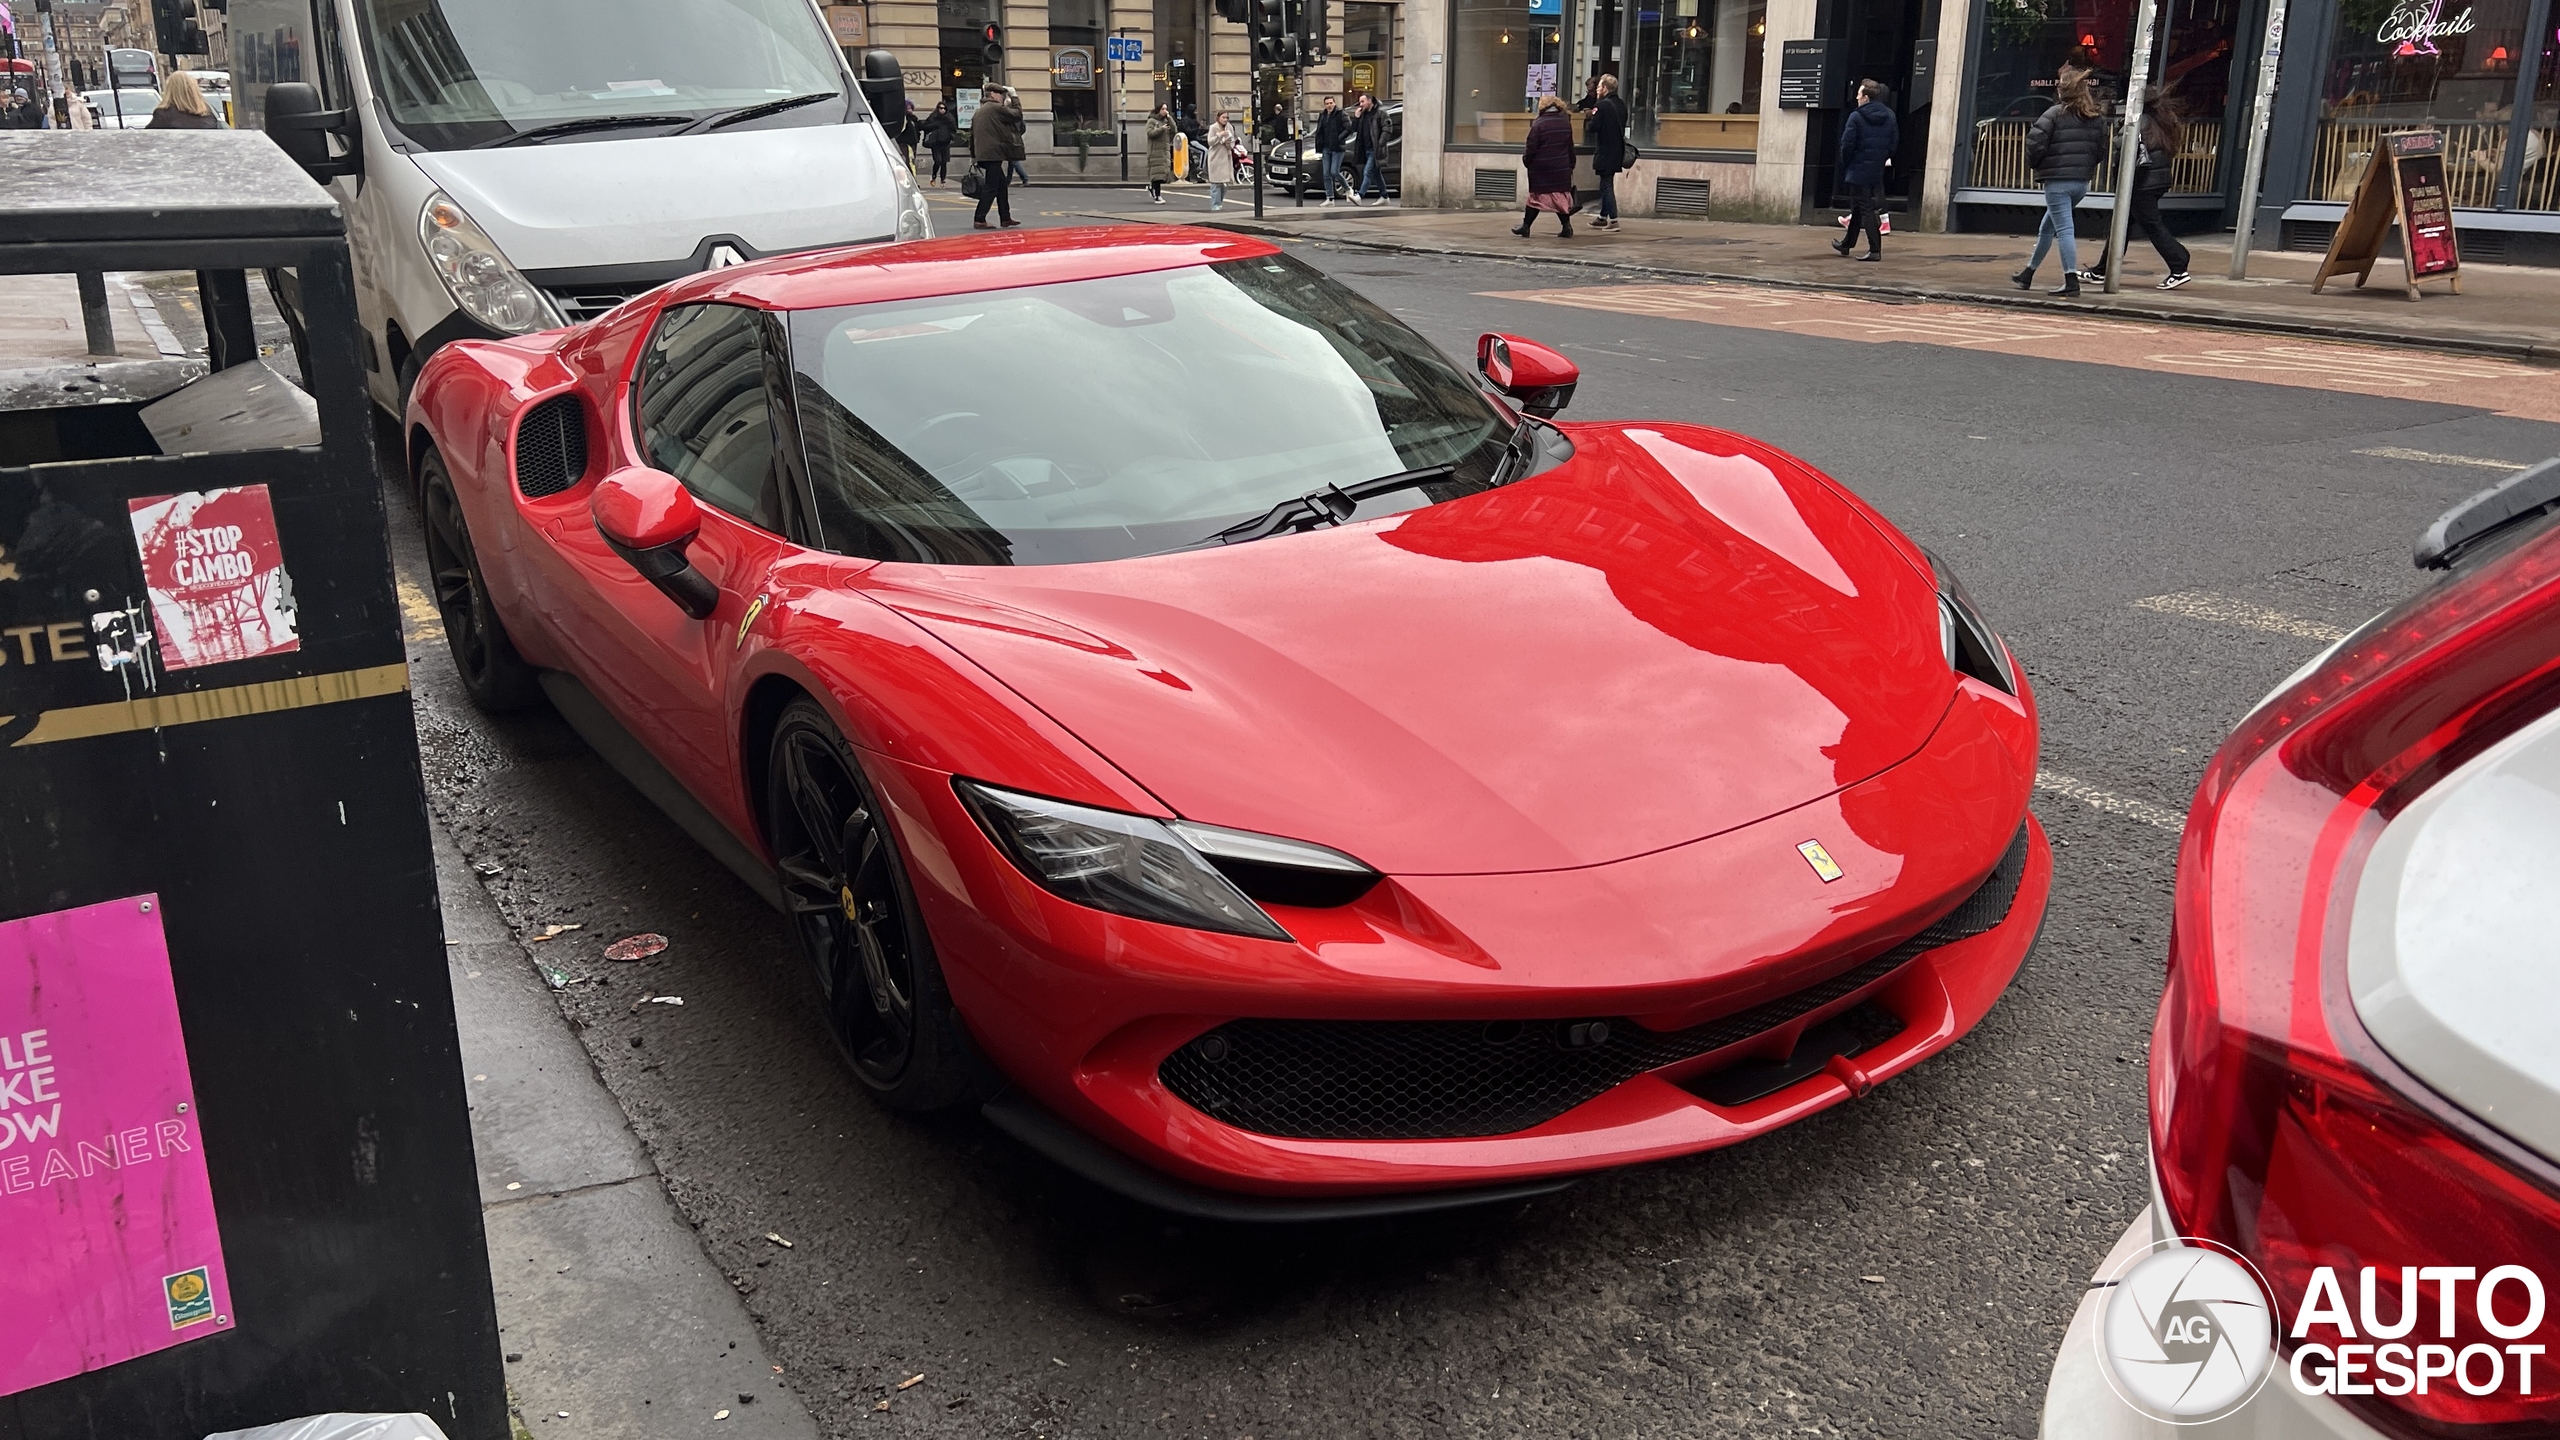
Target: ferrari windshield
<point>1097,419</point>
<point>456,73</point>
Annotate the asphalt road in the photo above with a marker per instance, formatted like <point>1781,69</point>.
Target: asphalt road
<point>1902,1265</point>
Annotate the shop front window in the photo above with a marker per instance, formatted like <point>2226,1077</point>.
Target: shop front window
<point>2026,43</point>
<point>1504,55</point>
<point>1369,52</point>
<point>2445,65</point>
<point>1697,74</point>
<point>2538,184</point>
<point>1076,77</point>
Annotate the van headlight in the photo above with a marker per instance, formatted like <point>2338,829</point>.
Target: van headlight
<point>915,218</point>
<point>478,278</point>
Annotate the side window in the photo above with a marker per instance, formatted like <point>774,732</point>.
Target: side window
<point>704,416</point>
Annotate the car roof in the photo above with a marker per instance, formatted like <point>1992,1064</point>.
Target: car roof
<point>962,264</point>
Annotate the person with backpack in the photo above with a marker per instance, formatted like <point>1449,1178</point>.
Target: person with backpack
<point>2163,137</point>
<point>1867,143</point>
<point>1607,132</point>
<point>2064,146</point>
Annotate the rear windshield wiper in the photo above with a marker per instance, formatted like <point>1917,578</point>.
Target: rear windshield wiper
<point>572,127</point>
<point>1329,506</point>
<point>718,118</point>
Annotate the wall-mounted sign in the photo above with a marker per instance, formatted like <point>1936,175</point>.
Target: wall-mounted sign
<point>108,1247</point>
<point>1812,74</point>
<point>2412,24</point>
<point>1071,68</point>
<point>851,26</point>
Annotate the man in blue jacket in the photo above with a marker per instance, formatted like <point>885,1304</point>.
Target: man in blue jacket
<point>1867,142</point>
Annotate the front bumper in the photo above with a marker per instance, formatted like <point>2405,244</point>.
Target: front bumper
<point>1082,1010</point>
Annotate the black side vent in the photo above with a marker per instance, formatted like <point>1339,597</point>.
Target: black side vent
<point>2309,234</point>
<point>551,447</point>
<point>2483,245</point>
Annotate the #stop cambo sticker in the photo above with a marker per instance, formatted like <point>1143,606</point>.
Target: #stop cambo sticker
<point>216,575</point>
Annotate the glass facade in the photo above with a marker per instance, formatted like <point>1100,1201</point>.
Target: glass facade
<point>1503,55</point>
<point>1076,55</point>
<point>2025,44</point>
<point>2452,66</point>
<point>1697,74</point>
<point>1370,63</point>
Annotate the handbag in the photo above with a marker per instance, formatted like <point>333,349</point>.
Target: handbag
<point>969,182</point>
<point>1628,155</point>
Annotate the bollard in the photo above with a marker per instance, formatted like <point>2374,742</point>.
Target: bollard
<point>94,316</point>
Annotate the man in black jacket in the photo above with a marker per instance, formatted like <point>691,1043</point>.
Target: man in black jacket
<point>995,139</point>
<point>1607,132</point>
<point>1867,143</point>
<point>1332,128</point>
<point>1368,133</point>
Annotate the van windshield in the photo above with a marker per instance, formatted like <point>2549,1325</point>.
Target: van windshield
<point>457,73</point>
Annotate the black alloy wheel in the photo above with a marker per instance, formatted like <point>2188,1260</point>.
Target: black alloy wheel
<point>850,903</point>
<point>495,677</point>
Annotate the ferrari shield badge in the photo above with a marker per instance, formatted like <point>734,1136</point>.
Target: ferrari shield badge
<point>1820,859</point>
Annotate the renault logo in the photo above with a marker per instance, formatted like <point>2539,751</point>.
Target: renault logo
<point>724,256</point>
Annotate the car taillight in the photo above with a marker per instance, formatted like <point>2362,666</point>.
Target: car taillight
<point>2279,1128</point>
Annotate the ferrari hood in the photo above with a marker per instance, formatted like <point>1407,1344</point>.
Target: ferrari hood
<point>1675,633</point>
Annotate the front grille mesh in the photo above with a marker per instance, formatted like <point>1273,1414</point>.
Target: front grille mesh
<point>551,447</point>
<point>1444,1079</point>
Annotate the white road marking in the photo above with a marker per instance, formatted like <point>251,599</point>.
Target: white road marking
<point>2429,457</point>
<point>2223,610</point>
<point>2100,798</point>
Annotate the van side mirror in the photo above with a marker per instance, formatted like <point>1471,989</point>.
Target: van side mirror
<point>301,129</point>
<point>1538,379</point>
<point>648,517</point>
<point>884,85</point>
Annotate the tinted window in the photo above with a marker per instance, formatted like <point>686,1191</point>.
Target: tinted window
<point>704,415</point>
<point>1096,419</point>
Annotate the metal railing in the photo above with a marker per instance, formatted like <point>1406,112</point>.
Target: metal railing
<point>2000,158</point>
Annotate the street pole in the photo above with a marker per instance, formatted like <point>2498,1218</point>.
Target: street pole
<point>1253,127</point>
<point>2128,149</point>
<point>2260,106</point>
<point>1297,151</point>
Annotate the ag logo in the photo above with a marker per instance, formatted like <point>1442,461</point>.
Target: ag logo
<point>2186,1334</point>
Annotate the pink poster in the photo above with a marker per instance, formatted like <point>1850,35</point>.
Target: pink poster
<point>108,1248</point>
<point>216,575</point>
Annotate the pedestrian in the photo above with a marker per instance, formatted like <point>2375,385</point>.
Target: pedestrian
<point>1222,161</point>
<point>2064,147</point>
<point>1369,132</point>
<point>910,134</point>
<point>1548,153</point>
<point>939,131</point>
<point>182,106</point>
<point>1332,128</point>
<point>2163,136</point>
<point>1607,132</point>
<point>995,140</point>
<point>1867,143</point>
<point>1159,152</point>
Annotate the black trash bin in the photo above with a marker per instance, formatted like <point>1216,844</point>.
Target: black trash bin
<point>236,1183</point>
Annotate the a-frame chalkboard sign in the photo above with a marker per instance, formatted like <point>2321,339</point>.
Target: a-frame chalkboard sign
<point>2404,181</point>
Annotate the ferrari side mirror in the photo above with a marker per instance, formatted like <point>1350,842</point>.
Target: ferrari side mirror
<point>1537,378</point>
<point>648,517</point>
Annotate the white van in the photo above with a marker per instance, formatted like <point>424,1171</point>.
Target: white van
<point>509,167</point>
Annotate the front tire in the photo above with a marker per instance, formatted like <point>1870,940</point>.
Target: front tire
<point>854,912</point>
<point>495,677</point>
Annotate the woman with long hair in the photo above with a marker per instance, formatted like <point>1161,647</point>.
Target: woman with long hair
<point>2163,138</point>
<point>182,106</point>
<point>1548,154</point>
<point>2065,146</point>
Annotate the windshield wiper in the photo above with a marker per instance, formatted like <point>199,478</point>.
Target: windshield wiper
<point>718,118</point>
<point>1515,452</point>
<point>1329,506</point>
<point>572,127</point>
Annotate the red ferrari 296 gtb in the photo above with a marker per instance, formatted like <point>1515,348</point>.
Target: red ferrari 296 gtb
<point>1274,770</point>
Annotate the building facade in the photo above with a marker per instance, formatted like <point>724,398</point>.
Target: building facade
<point>1737,105</point>
<point>1078,102</point>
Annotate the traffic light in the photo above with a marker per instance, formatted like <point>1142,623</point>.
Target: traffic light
<point>1314,24</point>
<point>993,51</point>
<point>174,22</point>
<point>1273,41</point>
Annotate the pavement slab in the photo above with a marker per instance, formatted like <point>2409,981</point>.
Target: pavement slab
<point>2506,310</point>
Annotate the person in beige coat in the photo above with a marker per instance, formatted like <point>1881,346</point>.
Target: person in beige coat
<point>1222,160</point>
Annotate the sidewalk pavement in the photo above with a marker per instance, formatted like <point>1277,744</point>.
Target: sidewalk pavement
<point>40,322</point>
<point>613,1321</point>
<point>2503,309</point>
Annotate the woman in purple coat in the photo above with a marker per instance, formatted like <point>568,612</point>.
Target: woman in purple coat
<point>1549,156</point>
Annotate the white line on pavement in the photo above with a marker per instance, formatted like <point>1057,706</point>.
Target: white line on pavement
<point>2100,798</point>
<point>2429,457</point>
<point>2223,610</point>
